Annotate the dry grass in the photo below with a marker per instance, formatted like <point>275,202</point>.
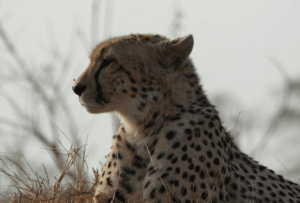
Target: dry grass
<point>38,189</point>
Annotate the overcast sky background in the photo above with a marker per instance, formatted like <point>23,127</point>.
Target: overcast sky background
<point>234,41</point>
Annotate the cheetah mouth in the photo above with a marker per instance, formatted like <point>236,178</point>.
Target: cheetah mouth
<point>89,105</point>
<point>86,103</point>
<point>92,108</point>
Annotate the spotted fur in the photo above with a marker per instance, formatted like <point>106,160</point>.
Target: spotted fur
<point>172,147</point>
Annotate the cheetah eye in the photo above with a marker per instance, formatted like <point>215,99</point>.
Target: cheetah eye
<point>106,62</point>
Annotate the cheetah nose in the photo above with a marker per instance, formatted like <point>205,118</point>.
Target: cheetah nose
<point>79,88</point>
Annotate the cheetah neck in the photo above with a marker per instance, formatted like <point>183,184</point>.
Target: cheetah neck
<point>145,122</point>
<point>150,119</point>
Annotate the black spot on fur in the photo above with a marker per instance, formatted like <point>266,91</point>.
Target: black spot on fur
<point>170,135</point>
<point>130,147</point>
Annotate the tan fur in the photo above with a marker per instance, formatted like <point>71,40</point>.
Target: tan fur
<point>173,147</point>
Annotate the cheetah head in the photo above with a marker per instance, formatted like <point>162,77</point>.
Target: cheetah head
<point>133,72</point>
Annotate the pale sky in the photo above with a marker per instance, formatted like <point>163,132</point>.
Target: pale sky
<point>234,41</point>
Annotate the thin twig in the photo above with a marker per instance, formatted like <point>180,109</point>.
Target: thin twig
<point>278,116</point>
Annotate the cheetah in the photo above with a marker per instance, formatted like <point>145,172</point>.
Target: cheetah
<point>172,146</point>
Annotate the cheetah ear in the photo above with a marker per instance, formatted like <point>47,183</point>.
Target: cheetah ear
<point>182,47</point>
<point>176,52</point>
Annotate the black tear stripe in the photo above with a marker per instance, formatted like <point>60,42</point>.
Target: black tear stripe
<point>119,196</point>
<point>100,98</point>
